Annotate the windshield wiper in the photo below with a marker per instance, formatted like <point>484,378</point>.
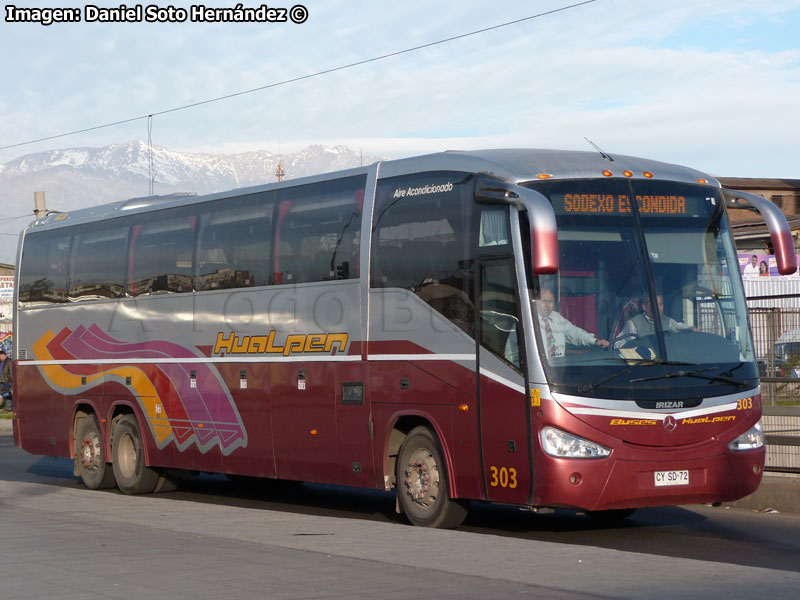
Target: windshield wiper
<point>645,362</point>
<point>697,375</point>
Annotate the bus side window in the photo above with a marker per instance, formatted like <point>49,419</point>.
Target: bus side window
<point>160,259</point>
<point>493,229</point>
<point>43,272</point>
<point>97,262</point>
<point>234,249</point>
<point>318,231</point>
<point>499,313</point>
<point>421,241</point>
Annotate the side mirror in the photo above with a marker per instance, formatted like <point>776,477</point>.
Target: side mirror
<point>542,219</point>
<point>779,231</point>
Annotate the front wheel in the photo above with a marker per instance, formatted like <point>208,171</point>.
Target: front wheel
<point>90,458</point>
<point>127,452</point>
<point>422,488</point>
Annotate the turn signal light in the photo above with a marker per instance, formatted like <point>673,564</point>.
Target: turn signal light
<point>463,407</point>
<point>702,180</point>
<point>543,176</point>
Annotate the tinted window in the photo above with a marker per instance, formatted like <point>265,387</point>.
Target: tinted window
<point>161,252</point>
<point>97,264</point>
<point>318,231</point>
<point>421,240</point>
<point>234,248</point>
<point>43,273</point>
<point>499,315</point>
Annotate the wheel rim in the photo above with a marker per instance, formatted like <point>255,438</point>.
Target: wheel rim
<point>91,451</point>
<point>127,456</point>
<point>422,478</point>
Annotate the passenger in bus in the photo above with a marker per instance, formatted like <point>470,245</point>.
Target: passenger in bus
<point>556,330</point>
<point>642,324</point>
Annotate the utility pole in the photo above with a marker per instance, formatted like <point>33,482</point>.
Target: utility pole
<point>279,172</point>
<point>39,207</point>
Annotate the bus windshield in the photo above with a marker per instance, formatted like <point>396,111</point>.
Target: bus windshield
<point>647,302</point>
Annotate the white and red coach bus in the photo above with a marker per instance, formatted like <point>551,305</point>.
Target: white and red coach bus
<point>382,327</point>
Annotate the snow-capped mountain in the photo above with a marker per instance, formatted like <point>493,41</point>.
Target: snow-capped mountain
<point>79,177</point>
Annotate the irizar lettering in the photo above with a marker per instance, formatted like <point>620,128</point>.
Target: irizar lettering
<point>670,404</point>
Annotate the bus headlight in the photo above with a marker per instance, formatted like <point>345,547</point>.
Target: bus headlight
<point>750,440</point>
<point>565,445</point>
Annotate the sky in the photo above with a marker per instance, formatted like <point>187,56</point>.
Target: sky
<point>711,84</point>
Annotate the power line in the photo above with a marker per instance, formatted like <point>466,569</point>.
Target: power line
<point>7,219</point>
<point>303,77</point>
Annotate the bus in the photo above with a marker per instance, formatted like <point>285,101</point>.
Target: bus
<point>382,327</point>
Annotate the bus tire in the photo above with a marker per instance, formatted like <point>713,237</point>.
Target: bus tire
<point>90,459</point>
<point>422,489</point>
<point>127,452</point>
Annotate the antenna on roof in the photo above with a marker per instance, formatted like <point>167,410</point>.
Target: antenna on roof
<point>596,147</point>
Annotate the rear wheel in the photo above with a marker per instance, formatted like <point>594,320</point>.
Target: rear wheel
<point>422,488</point>
<point>96,473</point>
<point>133,476</point>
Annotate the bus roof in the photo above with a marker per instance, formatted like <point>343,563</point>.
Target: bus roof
<point>513,165</point>
<point>521,165</point>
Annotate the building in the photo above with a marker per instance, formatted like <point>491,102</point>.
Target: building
<point>6,300</point>
<point>748,228</point>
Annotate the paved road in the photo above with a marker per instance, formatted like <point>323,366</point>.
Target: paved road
<point>215,540</point>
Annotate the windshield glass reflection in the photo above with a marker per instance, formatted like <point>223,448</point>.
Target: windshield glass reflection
<point>647,301</point>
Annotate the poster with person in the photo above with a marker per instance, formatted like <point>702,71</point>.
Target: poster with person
<point>755,264</point>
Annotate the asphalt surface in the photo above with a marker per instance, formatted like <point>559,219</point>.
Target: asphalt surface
<point>212,540</point>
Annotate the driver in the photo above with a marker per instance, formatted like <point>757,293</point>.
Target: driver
<point>642,324</point>
<point>556,330</point>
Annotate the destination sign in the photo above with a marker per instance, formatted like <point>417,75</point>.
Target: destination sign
<point>615,204</point>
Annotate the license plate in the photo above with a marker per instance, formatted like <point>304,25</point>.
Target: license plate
<point>667,478</point>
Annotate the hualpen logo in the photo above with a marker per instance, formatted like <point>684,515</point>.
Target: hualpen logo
<point>329,343</point>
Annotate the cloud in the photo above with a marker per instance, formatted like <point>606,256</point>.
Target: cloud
<point>650,77</point>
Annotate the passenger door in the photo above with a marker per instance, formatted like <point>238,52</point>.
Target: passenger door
<point>504,412</point>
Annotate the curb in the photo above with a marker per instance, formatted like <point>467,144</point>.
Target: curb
<point>775,493</point>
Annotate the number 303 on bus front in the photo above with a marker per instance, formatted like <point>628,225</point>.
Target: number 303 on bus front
<point>503,477</point>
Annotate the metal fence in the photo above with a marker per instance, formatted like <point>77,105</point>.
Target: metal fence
<point>774,309</point>
<point>782,432</point>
